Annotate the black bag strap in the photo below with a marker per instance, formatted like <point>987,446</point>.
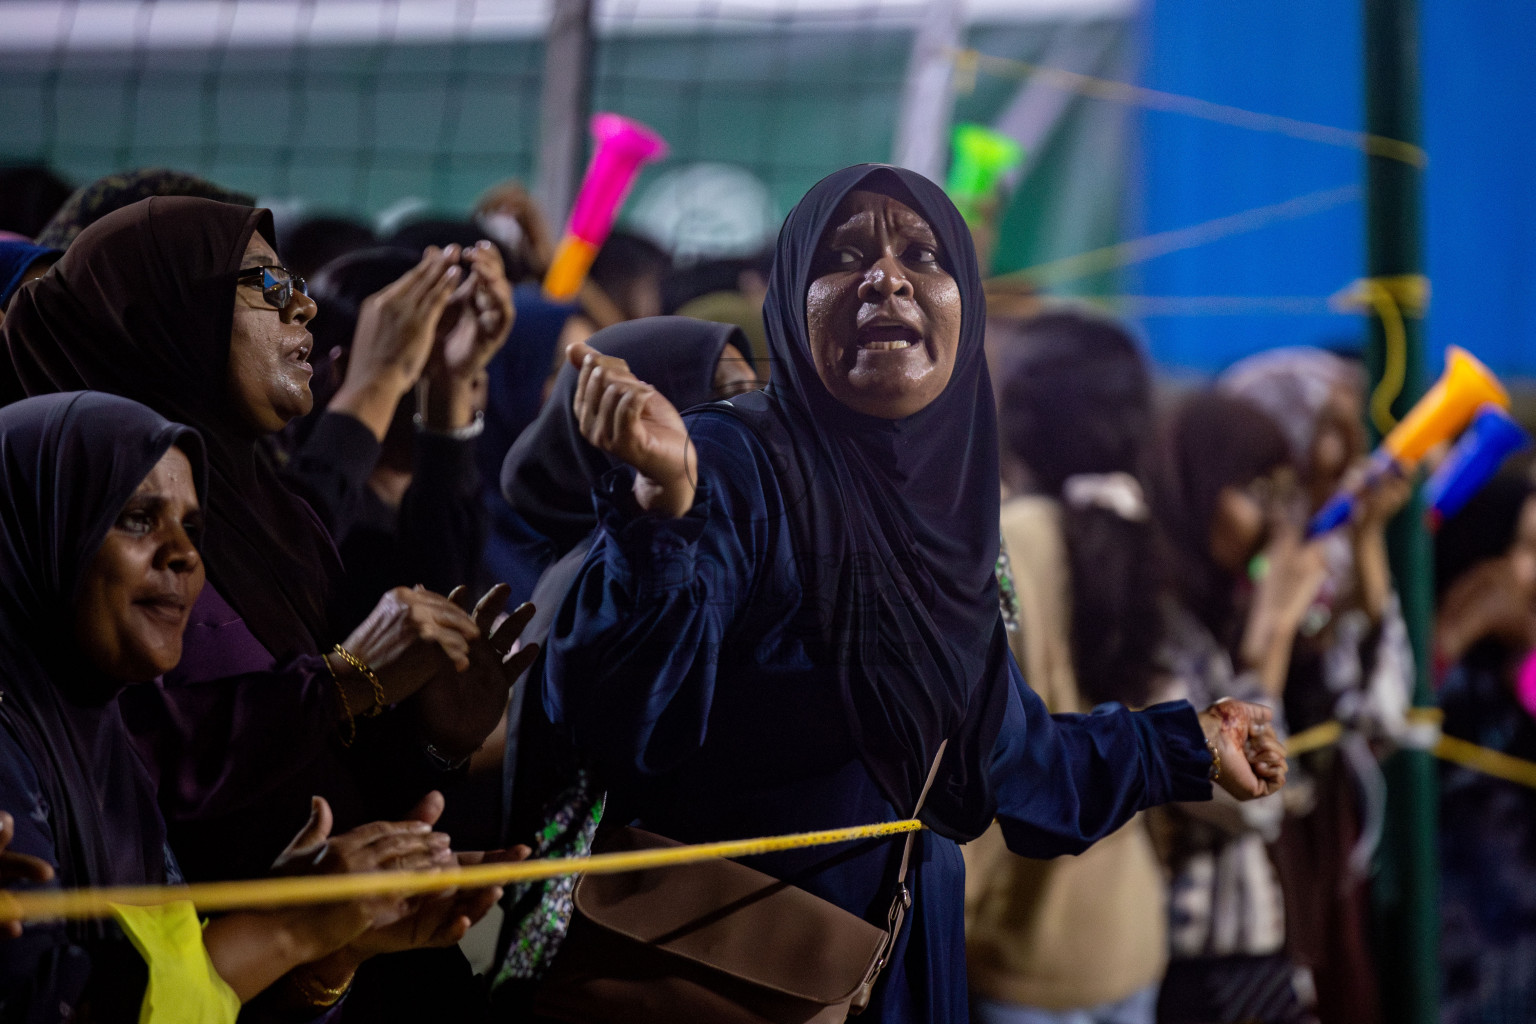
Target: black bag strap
<point>901,900</point>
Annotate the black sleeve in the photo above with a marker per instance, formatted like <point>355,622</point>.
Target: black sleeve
<point>330,470</point>
<point>441,528</point>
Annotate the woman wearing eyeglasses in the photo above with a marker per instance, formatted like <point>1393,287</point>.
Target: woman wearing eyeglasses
<point>180,304</point>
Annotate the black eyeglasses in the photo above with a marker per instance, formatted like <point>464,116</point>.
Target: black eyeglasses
<point>277,284</point>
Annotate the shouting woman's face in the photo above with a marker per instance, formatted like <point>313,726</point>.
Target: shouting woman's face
<point>882,313</point>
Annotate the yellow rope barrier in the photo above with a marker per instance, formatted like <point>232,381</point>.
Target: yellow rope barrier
<point>1315,738</point>
<point>1447,748</point>
<point>1139,250</point>
<point>265,893</point>
<point>968,62</point>
<point>1490,762</point>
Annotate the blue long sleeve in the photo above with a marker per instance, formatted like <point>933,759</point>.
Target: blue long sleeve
<point>1066,781</point>
<point>635,654</point>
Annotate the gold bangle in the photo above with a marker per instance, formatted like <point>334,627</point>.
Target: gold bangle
<point>1215,773</point>
<point>346,709</point>
<point>367,673</point>
<point>315,992</point>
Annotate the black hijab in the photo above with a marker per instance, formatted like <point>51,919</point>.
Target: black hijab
<point>68,464</point>
<point>895,525</point>
<point>549,473</point>
<point>142,305</point>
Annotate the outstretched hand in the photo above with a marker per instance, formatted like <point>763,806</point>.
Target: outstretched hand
<point>629,419</point>
<point>1252,756</point>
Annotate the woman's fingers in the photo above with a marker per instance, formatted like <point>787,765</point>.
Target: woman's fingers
<point>605,435</point>
<point>445,612</point>
<point>382,851</point>
<point>407,283</point>
<point>375,830</point>
<point>490,607</point>
<point>609,405</point>
<point>520,662</point>
<point>436,267</point>
<point>626,415</point>
<point>1258,714</point>
<point>512,627</point>
<point>18,867</point>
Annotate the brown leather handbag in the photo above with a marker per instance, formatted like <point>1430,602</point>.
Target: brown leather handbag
<point>715,942</point>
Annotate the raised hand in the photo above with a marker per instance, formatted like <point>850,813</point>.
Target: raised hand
<point>410,636</point>
<point>1297,570</point>
<point>472,330</point>
<point>1493,599</point>
<point>457,710</point>
<point>396,328</point>
<point>1252,757</point>
<point>479,315</point>
<point>629,419</point>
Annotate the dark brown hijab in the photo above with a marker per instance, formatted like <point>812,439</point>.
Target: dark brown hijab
<point>142,306</point>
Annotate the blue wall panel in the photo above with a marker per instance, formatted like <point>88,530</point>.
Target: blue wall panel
<point>1298,59</point>
<point>1301,59</point>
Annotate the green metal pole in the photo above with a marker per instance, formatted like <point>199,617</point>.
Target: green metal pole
<point>1406,889</point>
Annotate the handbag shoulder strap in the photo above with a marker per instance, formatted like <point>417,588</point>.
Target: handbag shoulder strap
<point>906,850</point>
<point>901,900</point>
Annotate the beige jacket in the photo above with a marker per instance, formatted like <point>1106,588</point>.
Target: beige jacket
<point>1075,931</point>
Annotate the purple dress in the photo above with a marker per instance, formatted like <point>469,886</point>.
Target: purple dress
<point>239,742</point>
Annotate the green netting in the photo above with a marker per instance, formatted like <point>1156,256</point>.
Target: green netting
<point>356,128</point>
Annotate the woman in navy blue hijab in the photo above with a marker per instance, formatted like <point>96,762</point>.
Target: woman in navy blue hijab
<point>790,603</point>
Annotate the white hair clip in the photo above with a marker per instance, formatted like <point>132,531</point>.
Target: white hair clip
<point>1119,493</point>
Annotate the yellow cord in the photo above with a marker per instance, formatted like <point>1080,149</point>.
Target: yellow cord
<point>49,904</point>
<point>968,62</point>
<point>1389,298</point>
<point>1139,250</point>
<point>1315,738</point>
<point>310,889</point>
<point>1394,370</point>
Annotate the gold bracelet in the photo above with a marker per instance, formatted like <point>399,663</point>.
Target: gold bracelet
<point>315,992</point>
<point>346,709</point>
<point>367,673</point>
<point>1215,774</point>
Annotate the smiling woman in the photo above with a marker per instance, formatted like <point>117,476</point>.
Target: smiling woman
<point>134,602</point>
<point>100,504</point>
<point>181,304</point>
